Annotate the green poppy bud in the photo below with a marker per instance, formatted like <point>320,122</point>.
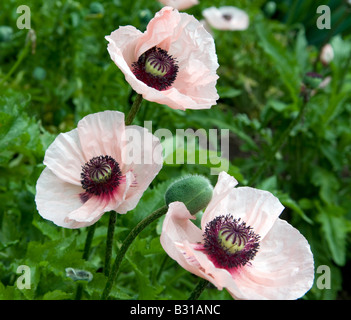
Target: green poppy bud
<point>312,80</point>
<point>194,191</point>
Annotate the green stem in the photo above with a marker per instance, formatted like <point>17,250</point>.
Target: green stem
<point>134,109</point>
<point>88,241</point>
<point>109,241</point>
<point>279,143</point>
<point>87,246</point>
<point>125,245</point>
<point>21,56</point>
<point>201,286</point>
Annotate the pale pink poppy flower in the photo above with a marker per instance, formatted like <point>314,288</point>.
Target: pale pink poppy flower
<point>180,4</point>
<point>97,167</point>
<point>242,245</point>
<point>327,54</point>
<point>173,62</point>
<point>226,18</point>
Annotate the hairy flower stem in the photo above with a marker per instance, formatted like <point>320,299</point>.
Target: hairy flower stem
<point>125,245</point>
<point>279,143</point>
<point>134,109</point>
<point>88,241</point>
<point>20,58</point>
<point>201,286</point>
<point>109,241</point>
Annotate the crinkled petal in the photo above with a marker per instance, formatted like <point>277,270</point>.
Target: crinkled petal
<point>221,191</point>
<point>102,134</point>
<point>55,198</point>
<point>176,228</point>
<point>180,4</point>
<point>142,155</point>
<point>195,51</point>
<point>159,31</point>
<point>87,214</point>
<point>122,43</point>
<point>282,269</point>
<point>65,158</point>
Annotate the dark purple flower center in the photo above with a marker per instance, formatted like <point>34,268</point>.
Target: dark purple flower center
<point>227,17</point>
<point>156,68</point>
<point>100,176</point>
<point>229,242</point>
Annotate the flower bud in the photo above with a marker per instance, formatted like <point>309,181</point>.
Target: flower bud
<point>194,191</point>
<point>312,80</point>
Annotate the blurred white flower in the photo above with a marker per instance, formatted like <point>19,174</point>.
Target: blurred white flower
<point>180,4</point>
<point>327,54</point>
<point>226,18</point>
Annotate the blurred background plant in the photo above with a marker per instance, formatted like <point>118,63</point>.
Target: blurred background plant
<point>60,71</point>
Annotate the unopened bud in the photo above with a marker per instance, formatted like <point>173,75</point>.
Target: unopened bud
<point>194,191</point>
<point>312,80</point>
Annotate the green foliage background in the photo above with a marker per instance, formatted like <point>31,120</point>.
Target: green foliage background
<point>54,76</point>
